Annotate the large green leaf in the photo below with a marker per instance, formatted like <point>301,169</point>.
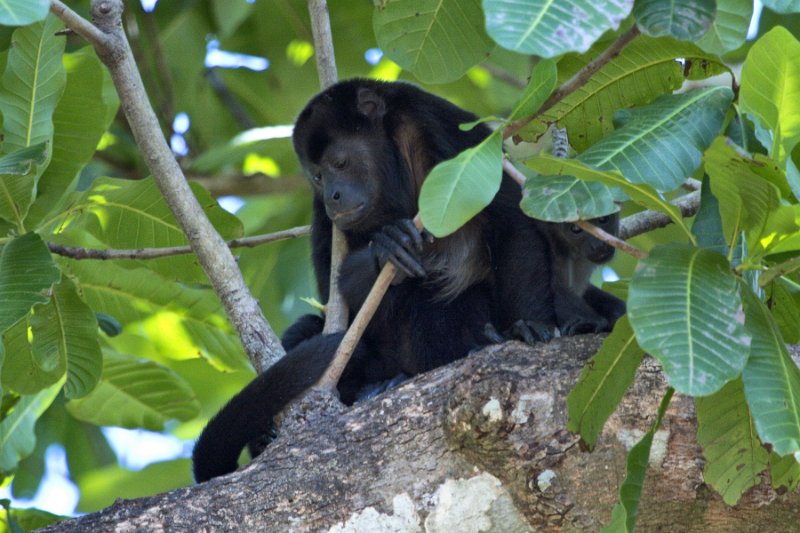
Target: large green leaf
<point>685,308</point>
<point>734,456</point>
<point>133,214</point>
<point>603,382</point>
<point>643,71</point>
<point>729,30</point>
<point>770,88</point>
<point>17,439</point>
<point>143,301</point>
<point>437,40</point>
<point>642,194</point>
<point>543,80</point>
<point>23,12</point>
<point>707,225</point>
<point>82,116</point>
<point>99,489</point>
<point>32,84</point>
<point>27,271</point>
<point>566,198</point>
<point>661,144</point>
<point>22,372</point>
<point>686,20</point>
<point>623,517</point>
<point>785,472</point>
<point>549,29</point>
<point>458,189</point>
<point>771,380</point>
<point>65,329</point>
<point>18,173</point>
<point>136,394</point>
<point>745,198</point>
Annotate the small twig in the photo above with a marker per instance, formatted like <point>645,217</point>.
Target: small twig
<point>604,236</point>
<point>577,81</point>
<point>237,110</point>
<point>75,252</point>
<point>513,172</point>
<point>79,25</point>
<point>504,75</point>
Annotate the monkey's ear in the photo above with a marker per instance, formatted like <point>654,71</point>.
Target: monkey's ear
<point>370,104</point>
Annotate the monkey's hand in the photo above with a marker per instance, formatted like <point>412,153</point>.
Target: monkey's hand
<point>401,244</point>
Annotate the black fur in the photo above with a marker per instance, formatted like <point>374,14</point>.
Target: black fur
<point>581,307</point>
<point>366,147</point>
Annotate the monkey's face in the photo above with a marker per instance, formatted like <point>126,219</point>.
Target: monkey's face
<point>588,246</point>
<point>346,177</point>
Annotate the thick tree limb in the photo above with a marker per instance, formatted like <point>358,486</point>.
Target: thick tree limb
<point>108,37</point>
<point>481,441</point>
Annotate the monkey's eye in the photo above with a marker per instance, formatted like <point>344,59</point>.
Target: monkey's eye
<point>316,178</point>
<point>339,164</point>
<point>603,220</point>
<point>575,229</point>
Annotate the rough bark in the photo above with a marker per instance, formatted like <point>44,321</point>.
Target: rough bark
<point>479,445</point>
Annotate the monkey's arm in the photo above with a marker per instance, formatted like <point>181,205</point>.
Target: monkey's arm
<point>574,315</point>
<point>606,305</point>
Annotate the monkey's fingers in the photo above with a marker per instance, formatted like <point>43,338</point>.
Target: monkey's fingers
<point>491,333</point>
<point>530,331</point>
<point>405,232</point>
<point>387,249</point>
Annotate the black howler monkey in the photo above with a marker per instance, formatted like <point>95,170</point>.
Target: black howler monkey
<point>581,307</point>
<point>366,147</point>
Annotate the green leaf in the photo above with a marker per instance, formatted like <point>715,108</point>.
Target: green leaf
<point>26,272</point>
<point>603,382</point>
<point>458,189</point>
<point>786,308</point>
<point>641,194</point>
<point>771,380</point>
<point>784,471</point>
<point>707,226</point>
<point>437,40</point>
<point>83,114</point>
<point>65,330</point>
<point>770,88</point>
<point>644,70</point>
<point>783,6</point>
<point>101,488</point>
<point>144,302</point>
<point>18,174</point>
<point>136,394</point>
<point>734,456</point>
<point>661,144</point>
<point>133,214</point>
<point>17,439</point>
<point>23,12</point>
<point>543,80</point>
<point>32,84</point>
<point>729,29</point>
<point>623,517</point>
<point>549,29</point>
<point>686,20</point>
<point>22,371</point>
<point>745,198</point>
<point>685,308</point>
<point>566,198</point>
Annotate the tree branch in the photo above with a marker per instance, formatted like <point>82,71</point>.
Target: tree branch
<point>577,81</point>
<point>108,37</point>
<point>75,252</point>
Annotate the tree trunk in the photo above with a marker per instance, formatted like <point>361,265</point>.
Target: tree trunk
<point>478,445</point>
